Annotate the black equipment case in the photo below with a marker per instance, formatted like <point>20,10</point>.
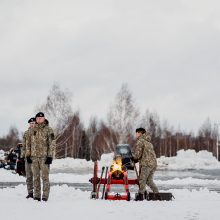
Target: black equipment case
<point>159,196</point>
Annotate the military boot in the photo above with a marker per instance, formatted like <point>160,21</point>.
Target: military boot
<point>44,199</point>
<point>139,197</point>
<point>30,195</point>
<point>38,199</point>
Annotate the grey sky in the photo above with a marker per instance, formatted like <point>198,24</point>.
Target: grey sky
<point>167,51</point>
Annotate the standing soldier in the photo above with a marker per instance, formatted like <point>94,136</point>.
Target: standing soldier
<point>145,155</point>
<point>40,149</point>
<point>29,174</point>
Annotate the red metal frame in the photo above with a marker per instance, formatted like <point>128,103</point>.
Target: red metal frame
<point>117,196</point>
<point>111,181</point>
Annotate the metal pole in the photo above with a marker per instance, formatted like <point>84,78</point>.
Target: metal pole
<point>217,142</point>
<point>217,137</point>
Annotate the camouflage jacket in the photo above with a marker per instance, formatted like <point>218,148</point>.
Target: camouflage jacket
<point>24,142</point>
<point>41,141</point>
<point>144,152</point>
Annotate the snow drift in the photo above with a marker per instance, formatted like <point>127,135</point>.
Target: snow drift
<point>189,159</point>
<point>184,160</point>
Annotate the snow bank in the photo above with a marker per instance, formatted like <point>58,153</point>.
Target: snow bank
<point>189,159</point>
<point>184,160</point>
<point>77,165</point>
<point>71,170</point>
<point>72,164</point>
<point>67,202</point>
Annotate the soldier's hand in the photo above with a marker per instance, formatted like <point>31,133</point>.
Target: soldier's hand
<point>133,160</point>
<point>49,160</point>
<point>22,160</point>
<point>29,160</point>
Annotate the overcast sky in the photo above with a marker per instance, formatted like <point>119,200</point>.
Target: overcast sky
<point>168,52</point>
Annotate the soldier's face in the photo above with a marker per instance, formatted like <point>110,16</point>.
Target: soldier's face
<point>32,124</point>
<point>138,134</point>
<point>40,120</point>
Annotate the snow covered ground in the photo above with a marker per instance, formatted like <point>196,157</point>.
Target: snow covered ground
<point>192,177</point>
<point>68,203</point>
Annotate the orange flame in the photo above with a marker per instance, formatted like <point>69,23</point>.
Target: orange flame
<point>116,165</point>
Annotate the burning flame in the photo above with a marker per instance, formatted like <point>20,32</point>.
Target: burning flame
<point>116,165</point>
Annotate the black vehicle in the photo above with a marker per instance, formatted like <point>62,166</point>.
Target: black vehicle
<point>124,150</point>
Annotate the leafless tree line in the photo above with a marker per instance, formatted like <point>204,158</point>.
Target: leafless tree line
<point>99,137</point>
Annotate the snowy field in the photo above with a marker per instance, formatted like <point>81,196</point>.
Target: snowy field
<point>193,178</point>
<point>67,203</point>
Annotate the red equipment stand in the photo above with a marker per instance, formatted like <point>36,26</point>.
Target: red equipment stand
<point>110,180</point>
<point>117,196</point>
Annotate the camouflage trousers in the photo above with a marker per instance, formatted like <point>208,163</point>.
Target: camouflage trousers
<point>40,171</point>
<point>29,177</point>
<point>146,178</point>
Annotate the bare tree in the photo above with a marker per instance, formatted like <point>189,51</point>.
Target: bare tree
<point>57,108</point>
<point>84,149</point>
<point>206,128</point>
<point>92,133</point>
<point>70,139</point>
<point>123,114</point>
<point>151,122</point>
<point>10,140</point>
<point>206,133</point>
<point>102,139</point>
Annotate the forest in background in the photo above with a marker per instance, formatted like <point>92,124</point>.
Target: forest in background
<point>76,140</point>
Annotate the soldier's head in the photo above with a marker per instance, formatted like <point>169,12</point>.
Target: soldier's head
<point>139,132</point>
<point>32,122</point>
<point>40,118</point>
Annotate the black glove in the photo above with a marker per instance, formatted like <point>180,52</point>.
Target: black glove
<point>133,160</point>
<point>49,160</point>
<point>22,160</point>
<point>29,160</point>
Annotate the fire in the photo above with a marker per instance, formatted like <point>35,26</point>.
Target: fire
<point>117,164</point>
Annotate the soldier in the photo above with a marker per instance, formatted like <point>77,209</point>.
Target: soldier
<point>40,151</point>
<point>145,155</point>
<point>29,174</point>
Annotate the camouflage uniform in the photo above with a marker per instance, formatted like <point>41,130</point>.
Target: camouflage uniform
<point>29,174</point>
<point>41,145</point>
<point>144,153</point>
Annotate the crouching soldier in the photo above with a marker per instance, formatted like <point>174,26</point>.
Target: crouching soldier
<point>145,155</point>
<point>40,150</point>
